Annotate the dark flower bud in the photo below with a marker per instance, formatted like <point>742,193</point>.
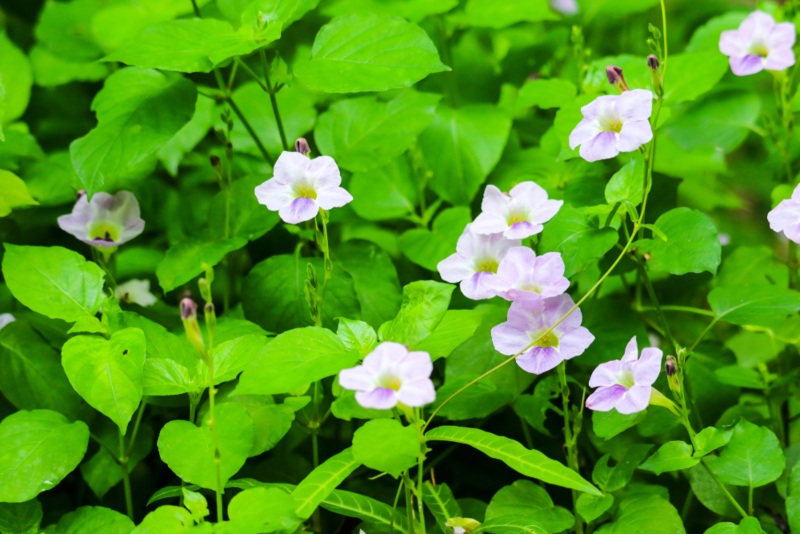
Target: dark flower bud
<point>209,307</point>
<point>188,309</point>
<point>671,368</point>
<point>616,78</point>
<point>214,160</point>
<point>658,82</point>
<point>189,318</point>
<point>80,193</point>
<point>301,146</point>
<point>652,62</point>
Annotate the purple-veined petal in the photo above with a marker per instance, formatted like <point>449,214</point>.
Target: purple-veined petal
<point>635,400</point>
<point>746,65</point>
<point>521,230</point>
<point>378,398</point>
<point>646,370</point>
<point>300,209</point>
<point>479,286</point>
<point>601,146</point>
<point>634,134</point>
<point>274,195</point>
<point>539,360</point>
<point>605,398</point>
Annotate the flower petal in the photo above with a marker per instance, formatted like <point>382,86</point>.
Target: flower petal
<point>290,167</point>
<point>746,65</point>
<point>585,130</point>
<point>378,398</point>
<point>509,340</point>
<point>417,393</point>
<point>635,400</point>
<point>539,360</point>
<point>334,197</point>
<point>274,195</point>
<point>605,398</point>
<point>634,134</point>
<point>606,374</point>
<point>301,209</point>
<point>646,370</point>
<point>601,146</point>
<point>357,379</point>
<point>455,268</point>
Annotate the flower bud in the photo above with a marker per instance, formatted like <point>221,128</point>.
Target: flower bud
<point>301,146</point>
<point>189,318</point>
<point>188,309</point>
<point>655,72</point>
<point>658,399</point>
<point>616,78</point>
<point>80,193</point>
<point>205,289</point>
<point>652,62</point>
<point>671,367</point>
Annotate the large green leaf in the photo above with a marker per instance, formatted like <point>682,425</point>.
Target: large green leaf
<point>424,305</point>
<point>753,457</point>
<point>456,327</point>
<point>488,13</point>
<point>462,146</point>
<point>368,52</point>
<point>190,45</point>
<point>523,498</point>
<point>37,450</point>
<point>414,10</point>
<point>580,241</point>
<point>293,360</point>
<point>185,260</point>
<point>138,111</point>
<point>316,487</point>
<point>403,453</point>
<point>273,294</point>
<point>528,462</point>
<point>31,375</point>
<point>189,450</point>
<point>763,305</point>
<point>107,373</point>
<point>428,247</point>
<point>691,246</point>
<point>260,510</point>
<point>92,519</point>
<point>53,281</point>
<point>363,133</point>
<point>441,502</point>
<point>16,77</point>
<point>671,456</point>
<point>379,516</point>
<point>15,193</point>
<point>686,82</point>
<point>645,513</point>
<point>374,279</point>
<point>20,517</point>
<point>389,191</point>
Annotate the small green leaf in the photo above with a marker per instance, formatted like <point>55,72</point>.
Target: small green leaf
<point>710,439</point>
<point>763,305</point>
<point>579,241</point>
<point>733,375</point>
<point>185,260</point>
<point>258,510</point>
<point>196,504</point>
<point>671,456</point>
<point>590,507</point>
<point>627,183</point>
<point>428,247</point>
<point>546,94</point>
<point>608,424</point>
<point>749,525</point>
<point>20,517</point>
<point>378,515</point>
<point>38,449</point>
<point>92,519</point>
<point>357,336</point>
<point>523,498</point>
<point>440,501</point>
<point>644,513</point>
<point>189,451</point>
<point>424,305</point>
<point>294,359</point>
<point>386,446</point>
<point>456,327</point>
<point>529,462</point>
<point>617,477</point>
<point>16,77</point>
<point>107,373</point>
<point>486,13</point>
<point>753,457</point>
<point>53,281</point>
<point>368,52</point>
<point>15,193</point>
<point>166,520</point>
<point>316,487</point>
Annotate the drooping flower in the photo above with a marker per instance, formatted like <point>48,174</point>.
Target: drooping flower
<point>106,221</point>
<point>475,262</point>
<point>528,320</point>
<point>517,214</point>
<point>758,44</point>
<point>612,124</point>
<point>625,384</point>
<point>523,274</point>
<point>786,217</point>
<point>565,7</point>
<point>5,319</point>
<point>301,186</point>
<point>135,292</point>
<point>389,375</point>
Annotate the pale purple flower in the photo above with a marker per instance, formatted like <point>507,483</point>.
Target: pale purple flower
<point>528,320</point>
<point>565,7</point>
<point>475,262</point>
<point>135,292</point>
<point>786,216</point>
<point>301,186</point>
<point>759,43</point>
<point>389,375</point>
<point>625,384</point>
<point>612,124</point>
<point>523,274</point>
<point>517,214</point>
<point>106,221</point>
<point>5,319</point>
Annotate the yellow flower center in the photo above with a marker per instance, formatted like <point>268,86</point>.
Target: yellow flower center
<point>626,379</point>
<point>105,231</point>
<point>306,191</point>
<point>548,340</point>
<point>390,382</point>
<point>516,218</point>
<point>759,49</point>
<point>488,265</point>
<point>612,124</point>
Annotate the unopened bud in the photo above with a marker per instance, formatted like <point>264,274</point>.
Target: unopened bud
<point>205,289</point>
<point>616,78</point>
<point>214,160</point>
<point>189,318</point>
<point>301,146</point>
<point>188,309</point>
<point>671,368</point>
<point>80,193</point>
<point>658,83</point>
<point>652,62</point>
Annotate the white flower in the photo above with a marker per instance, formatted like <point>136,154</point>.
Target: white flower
<point>135,292</point>
<point>106,221</point>
<point>517,214</point>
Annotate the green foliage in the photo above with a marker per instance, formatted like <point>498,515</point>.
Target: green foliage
<point>386,445</point>
<point>753,457</point>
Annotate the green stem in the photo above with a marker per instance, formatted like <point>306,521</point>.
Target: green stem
<point>684,309</point>
<point>409,505</point>
<point>229,99</point>
<point>451,83</point>
<point>702,335</point>
<point>420,467</point>
<point>791,262</point>
<point>571,440</point>
<point>730,497</point>
<point>654,299</point>
<point>750,499</point>
<point>212,424</point>
<point>196,9</point>
<point>273,99</point>
<point>126,479</point>
<point>136,425</point>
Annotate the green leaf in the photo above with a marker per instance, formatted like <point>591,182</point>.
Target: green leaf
<point>456,327</point>
<point>371,446</point>
<point>92,519</point>
<point>138,111</point>
<point>708,492</point>
<point>627,183</point>
<point>671,456</point>
<point>245,218</point>
<point>388,191</point>
<point>428,247</point>
<point>644,513</point>
<point>763,305</point>
<point>590,507</point>
<point>414,10</point>
<point>16,77</point>
<point>273,293</point>
<point>316,487</point>
<point>686,81</point>
<point>295,359</point>
<point>462,146</point>
<point>753,457</point>
<point>368,52</point>
<point>107,373</point>
<point>231,357</point>
<point>374,279</point>
<point>31,375</point>
<point>752,266</point>
<point>189,450</point>
<point>424,305</point>
<point>608,424</point>
<point>486,13</point>
<point>194,131</point>
<point>15,193</point>
<point>692,244</point>
<point>748,525</point>
<point>379,516</point>
<point>733,375</point>
<point>530,463</point>
<point>579,241</point>
<point>103,471</point>
<point>710,439</point>
<point>615,478</point>
<point>263,510</point>
<point>525,499</point>
<point>440,501</point>
<point>51,70</point>
<point>38,449</point>
<point>514,524</point>
<point>363,134</point>
<point>185,260</point>
<point>20,517</point>
<point>166,520</point>
<point>544,93</point>
<point>53,281</point>
<point>190,45</point>
<point>196,503</point>
<point>357,336</point>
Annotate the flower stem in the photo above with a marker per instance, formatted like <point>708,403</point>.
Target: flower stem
<point>272,98</point>
<point>420,467</point>
<point>126,479</point>
<point>727,493</point>
<point>571,440</point>
<point>654,299</point>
